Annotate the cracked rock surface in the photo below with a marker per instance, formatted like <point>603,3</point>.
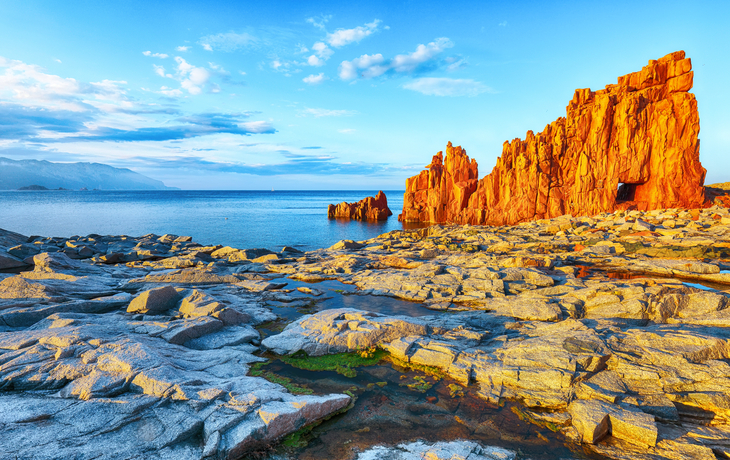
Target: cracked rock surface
<point>613,330</point>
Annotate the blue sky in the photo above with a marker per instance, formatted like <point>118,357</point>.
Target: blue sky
<point>327,95</point>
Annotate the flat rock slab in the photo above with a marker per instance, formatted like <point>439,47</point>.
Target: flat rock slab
<point>467,450</point>
<point>341,330</point>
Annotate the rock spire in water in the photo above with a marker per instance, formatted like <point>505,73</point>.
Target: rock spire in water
<point>632,145</point>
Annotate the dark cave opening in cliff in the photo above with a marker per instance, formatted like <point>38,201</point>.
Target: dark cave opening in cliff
<point>626,192</point>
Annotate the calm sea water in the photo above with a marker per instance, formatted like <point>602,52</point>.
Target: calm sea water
<point>242,219</point>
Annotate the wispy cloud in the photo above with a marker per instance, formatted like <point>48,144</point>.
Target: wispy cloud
<point>24,123</point>
<point>318,113</point>
<point>346,131</point>
<point>447,87</point>
<point>181,128</point>
<point>371,66</point>
<point>502,24</point>
<point>314,79</point>
<point>39,107</point>
<point>191,78</point>
<point>342,37</point>
<point>319,21</point>
<point>228,42</point>
<point>157,55</point>
<point>29,85</point>
<point>182,49</point>
<point>295,164</point>
<point>455,63</point>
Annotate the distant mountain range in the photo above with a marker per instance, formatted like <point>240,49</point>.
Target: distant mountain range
<point>15,174</point>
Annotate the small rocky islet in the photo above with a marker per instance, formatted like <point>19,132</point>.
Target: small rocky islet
<point>586,315</point>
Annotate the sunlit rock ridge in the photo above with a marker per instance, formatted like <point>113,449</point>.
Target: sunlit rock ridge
<point>632,145</point>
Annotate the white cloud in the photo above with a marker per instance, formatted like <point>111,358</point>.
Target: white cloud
<point>447,87</point>
<point>455,63</point>
<point>423,53</point>
<point>228,42</point>
<point>157,55</point>
<point>218,68</point>
<point>32,87</point>
<point>502,24</point>
<point>342,37</point>
<point>160,70</point>
<point>286,67</point>
<point>314,79</point>
<point>182,48</point>
<point>170,91</point>
<point>321,54</point>
<point>320,21</point>
<point>314,61</point>
<point>371,66</point>
<point>58,60</point>
<point>318,113</point>
<point>368,66</point>
<point>191,78</point>
<point>256,126</point>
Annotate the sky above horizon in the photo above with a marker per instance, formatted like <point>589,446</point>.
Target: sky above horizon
<point>328,95</point>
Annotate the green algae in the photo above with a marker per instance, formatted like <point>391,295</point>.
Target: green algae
<point>342,363</point>
<point>420,384</point>
<point>430,370</point>
<point>456,390</point>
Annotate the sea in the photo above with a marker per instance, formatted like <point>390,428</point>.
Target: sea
<point>241,219</point>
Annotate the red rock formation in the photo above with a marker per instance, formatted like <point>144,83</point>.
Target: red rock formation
<point>366,209</point>
<point>632,145</point>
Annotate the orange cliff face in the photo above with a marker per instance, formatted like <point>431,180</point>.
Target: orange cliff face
<point>370,208</point>
<point>632,145</point>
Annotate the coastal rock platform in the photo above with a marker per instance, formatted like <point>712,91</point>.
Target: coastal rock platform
<point>611,331</point>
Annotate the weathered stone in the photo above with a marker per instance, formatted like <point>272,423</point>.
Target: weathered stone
<point>184,330</point>
<point>340,330</point>
<point>227,337</point>
<point>16,287</point>
<point>260,285</point>
<point>154,300</point>
<point>467,450</point>
<point>370,208</point>
<point>347,244</point>
<point>631,145</point>
<point>8,261</point>
<point>590,418</point>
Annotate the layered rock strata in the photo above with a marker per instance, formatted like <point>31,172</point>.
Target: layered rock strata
<point>370,208</point>
<point>632,145</point>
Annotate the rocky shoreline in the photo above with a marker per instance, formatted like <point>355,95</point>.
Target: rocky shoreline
<point>611,331</point>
